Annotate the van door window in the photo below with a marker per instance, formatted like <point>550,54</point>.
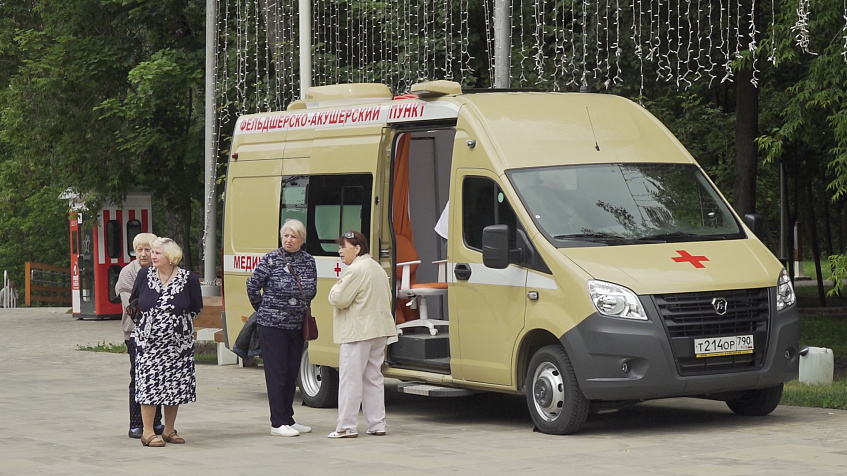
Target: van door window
<point>484,204</point>
<point>328,205</point>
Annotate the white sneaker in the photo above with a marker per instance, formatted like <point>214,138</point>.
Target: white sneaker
<point>284,430</point>
<point>302,428</point>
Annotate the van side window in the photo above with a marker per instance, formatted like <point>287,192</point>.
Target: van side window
<point>484,204</point>
<point>328,205</point>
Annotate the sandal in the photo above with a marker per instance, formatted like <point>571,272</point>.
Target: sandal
<point>343,434</point>
<point>154,441</point>
<point>174,438</point>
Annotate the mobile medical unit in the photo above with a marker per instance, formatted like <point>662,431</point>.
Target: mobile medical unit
<point>587,261</point>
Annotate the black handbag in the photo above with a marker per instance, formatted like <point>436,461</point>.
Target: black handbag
<point>132,309</point>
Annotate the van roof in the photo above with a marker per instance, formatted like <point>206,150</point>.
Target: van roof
<point>530,128</point>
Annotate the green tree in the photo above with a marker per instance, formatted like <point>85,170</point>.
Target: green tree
<point>811,136</point>
<point>106,97</point>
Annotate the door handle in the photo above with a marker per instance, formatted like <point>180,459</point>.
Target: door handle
<point>462,271</point>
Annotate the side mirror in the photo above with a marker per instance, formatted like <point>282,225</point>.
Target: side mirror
<point>756,223</point>
<point>495,246</point>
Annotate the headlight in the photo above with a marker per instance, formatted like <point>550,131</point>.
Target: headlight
<point>784,291</point>
<point>615,301</point>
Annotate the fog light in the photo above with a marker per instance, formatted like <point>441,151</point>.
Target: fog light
<point>625,367</point>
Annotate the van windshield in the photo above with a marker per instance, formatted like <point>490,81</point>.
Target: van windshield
<point>621,204</point>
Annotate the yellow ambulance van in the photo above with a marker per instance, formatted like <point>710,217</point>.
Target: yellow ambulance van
<point>564,246</point>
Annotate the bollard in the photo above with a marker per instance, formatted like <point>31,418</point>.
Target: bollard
<point>798,251</point>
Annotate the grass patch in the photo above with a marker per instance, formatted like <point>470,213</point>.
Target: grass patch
<point>205,358</point>
<point>200,355</point>
<point>800,394</point>
<point>824,331</point>
<point>104,347</point>
<point>809,270</point>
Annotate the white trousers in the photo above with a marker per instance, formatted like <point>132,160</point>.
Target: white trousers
<point>360,384</point>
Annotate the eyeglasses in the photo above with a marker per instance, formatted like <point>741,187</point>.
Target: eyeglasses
<point>349,235</point>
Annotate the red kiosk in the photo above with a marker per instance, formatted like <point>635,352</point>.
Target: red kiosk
<point>100,246</point>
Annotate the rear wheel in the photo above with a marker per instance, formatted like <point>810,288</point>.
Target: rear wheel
<point>553,396</point>
<point>756,402</point>
<point>318,383</point>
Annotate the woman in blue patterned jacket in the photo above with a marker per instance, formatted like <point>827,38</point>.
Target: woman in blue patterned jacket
<point>280,308</point>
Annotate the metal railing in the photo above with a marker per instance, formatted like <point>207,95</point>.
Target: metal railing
<point>9,292</point>
<point>47,285</point>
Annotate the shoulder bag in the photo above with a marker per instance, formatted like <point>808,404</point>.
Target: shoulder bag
<point>310,325</point>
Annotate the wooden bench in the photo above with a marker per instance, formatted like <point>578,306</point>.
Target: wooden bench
<point>208,326</point>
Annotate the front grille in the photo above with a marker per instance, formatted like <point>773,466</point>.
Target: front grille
<point>689,316</point>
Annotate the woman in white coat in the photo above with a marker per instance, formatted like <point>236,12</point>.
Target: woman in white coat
<point>363,325</point>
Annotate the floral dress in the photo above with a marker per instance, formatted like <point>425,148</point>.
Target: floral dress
<point>164,335</point>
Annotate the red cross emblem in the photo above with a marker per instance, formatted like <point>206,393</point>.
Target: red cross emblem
<point>694,260</point>
<point>337,269</point>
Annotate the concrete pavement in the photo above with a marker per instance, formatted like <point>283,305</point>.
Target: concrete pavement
<point>64,411</point>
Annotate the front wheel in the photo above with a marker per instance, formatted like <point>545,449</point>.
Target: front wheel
<point>318,383</point>
<point>756,402</point>
<point>555,400</point>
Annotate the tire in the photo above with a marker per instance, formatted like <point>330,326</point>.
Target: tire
<point>756,402</point>
<point>318,383</point>
<point>555,401</point>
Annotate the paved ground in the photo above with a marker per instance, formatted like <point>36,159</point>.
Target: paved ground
<point>63,411</point>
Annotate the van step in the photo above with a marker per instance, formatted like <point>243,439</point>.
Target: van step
<point>433,390</point>
<point>420,347</point>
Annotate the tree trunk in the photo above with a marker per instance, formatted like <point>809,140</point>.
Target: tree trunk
<point>178,224</point>
<point>816,248</point>
<point>746,151</point>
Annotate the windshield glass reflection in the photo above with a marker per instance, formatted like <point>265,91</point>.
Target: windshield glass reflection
<point>614,204</point>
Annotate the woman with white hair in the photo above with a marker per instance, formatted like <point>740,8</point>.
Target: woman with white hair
<point>142,246</point>
<point>281,288</point>
<point>169,299</point>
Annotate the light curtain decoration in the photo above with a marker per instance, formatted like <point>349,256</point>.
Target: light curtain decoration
<point>558,44</point>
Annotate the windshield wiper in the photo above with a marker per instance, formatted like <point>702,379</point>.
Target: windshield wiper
<point>592,236</point>
<point>672,236</point>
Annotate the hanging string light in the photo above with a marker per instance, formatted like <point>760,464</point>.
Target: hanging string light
<point>538,17</point>
<point>559,44</point>
<point>752,46</point>
<point>844,34</point>
<point>801,27</point>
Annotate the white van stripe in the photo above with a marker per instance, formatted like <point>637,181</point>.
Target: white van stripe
<point>332,267</point>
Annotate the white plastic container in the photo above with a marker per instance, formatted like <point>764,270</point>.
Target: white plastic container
<point>817,366</point>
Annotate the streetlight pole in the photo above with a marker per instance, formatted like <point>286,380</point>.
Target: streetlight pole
<point>502,44</point>
<point>210,286</point>
<point>305,47</point>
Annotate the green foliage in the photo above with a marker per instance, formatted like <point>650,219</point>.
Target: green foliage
<point>102,98</point>
<point>838,265</point>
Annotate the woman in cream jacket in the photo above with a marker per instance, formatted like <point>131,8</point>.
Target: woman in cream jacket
<point>363,325</point>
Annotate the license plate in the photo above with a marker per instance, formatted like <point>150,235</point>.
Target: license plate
<point>718,346</point>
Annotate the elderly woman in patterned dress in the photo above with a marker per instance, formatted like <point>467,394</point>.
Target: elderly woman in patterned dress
<point>126,280</point>
<point>169,298</point>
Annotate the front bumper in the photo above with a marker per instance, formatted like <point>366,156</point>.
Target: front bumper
<point>622,359</point>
